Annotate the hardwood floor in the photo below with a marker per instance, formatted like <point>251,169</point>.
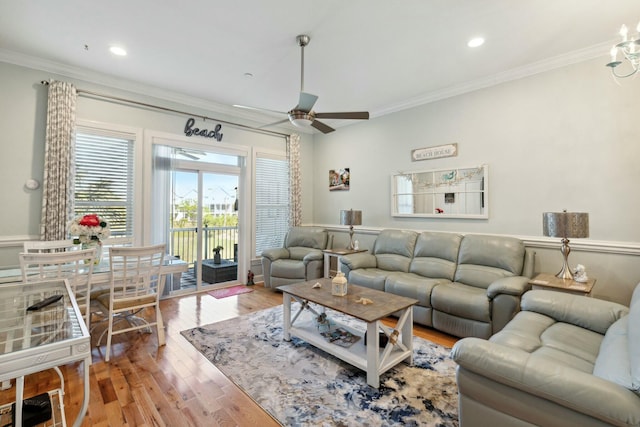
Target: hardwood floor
<point>174,385</point>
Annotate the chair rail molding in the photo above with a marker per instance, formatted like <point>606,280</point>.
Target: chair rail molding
<point>14,241</point>
<point>585,245</point>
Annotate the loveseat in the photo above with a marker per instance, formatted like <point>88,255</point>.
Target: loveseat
<point>299,259</point>
<point>564,360</point>
<point>466,285</point>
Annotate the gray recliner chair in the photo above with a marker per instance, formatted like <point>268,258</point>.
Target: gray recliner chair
<point>300,259</point>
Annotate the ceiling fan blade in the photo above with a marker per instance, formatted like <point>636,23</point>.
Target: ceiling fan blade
<point>322,127</point>
<point>306,102</point>
<point>245,107</point>
<point>273,124</point>
<point>353,115</point>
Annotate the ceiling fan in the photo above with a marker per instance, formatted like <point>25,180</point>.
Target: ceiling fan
<point>302,114</point>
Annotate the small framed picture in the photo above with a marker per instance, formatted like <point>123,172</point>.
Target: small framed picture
<point>449,197</point>
<point>339,179</point>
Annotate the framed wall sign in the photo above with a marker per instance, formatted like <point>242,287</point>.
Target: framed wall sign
<point>429,153</point>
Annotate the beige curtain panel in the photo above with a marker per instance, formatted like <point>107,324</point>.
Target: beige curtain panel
<point>57,193</point>
<point>295,189</point>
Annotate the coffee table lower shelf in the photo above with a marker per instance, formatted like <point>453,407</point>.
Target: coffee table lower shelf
<point>370,358</point>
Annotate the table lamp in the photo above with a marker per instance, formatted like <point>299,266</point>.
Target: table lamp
<point>350,218</point>
<point>565,224</point>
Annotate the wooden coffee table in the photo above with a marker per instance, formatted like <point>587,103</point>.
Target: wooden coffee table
<point>369,358</point>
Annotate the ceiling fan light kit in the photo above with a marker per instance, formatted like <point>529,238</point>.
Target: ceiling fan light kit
<point>301,119</point>
<point>302,115</point>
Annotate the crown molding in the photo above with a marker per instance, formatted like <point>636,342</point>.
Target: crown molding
<point>548,64</point>
<point>138,88</point>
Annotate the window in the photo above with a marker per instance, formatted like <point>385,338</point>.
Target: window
<point>272,201</point>
<point>104,179</point>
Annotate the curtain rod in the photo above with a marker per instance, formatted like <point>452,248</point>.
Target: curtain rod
<point>171,110</point>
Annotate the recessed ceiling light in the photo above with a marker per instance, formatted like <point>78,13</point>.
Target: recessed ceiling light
<point>475,42</point>
<point>117,50</point>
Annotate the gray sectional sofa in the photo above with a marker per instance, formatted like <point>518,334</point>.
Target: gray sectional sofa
<point>564,360</point>
<point>467,285</point>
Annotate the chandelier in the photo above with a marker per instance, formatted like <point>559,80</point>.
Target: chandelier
<point>630,48</point>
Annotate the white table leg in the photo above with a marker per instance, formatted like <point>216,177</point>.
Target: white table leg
<point>85,398</point>
<point>327,264</point>
<point>17,416</point>
<point>286,316</point>
<point>373,354</point>
<point>406,331</point>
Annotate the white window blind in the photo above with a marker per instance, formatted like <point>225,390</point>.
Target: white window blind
<point>104,180</point>
<point>272,202</point>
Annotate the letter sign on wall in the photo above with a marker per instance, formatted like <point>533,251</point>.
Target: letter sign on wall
<point>189,130</point>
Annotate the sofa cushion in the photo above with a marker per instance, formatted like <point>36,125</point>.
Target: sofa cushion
<point>393,249</point>
<point>484,259</point>
<point>310,237</point>
<point>570,345</point>
<point>300,252</point>
<point>590,313</point>
<point>435,255</point>
<point>399,242</point>
<point>288,269</point>
<point>372,278</point>
<point>523,331</point>
<point>479,275</point>
<point>468,302</point>
<point>412,286</point>
<point>613,362</point>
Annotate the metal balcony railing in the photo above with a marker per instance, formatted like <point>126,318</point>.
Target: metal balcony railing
<point>183,243</point>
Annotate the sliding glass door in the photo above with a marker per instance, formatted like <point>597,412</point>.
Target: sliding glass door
<point>199,200</point>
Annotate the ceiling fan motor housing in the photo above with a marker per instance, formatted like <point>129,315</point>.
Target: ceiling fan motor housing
<point>301,118</point>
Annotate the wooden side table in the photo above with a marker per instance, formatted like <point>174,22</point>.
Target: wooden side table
<point>551,282</point>
<point>337,253</point>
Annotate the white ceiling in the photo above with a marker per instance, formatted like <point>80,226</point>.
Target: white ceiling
<point>374,55</point>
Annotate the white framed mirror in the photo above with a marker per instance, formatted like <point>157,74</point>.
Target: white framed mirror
<point>441,193</point>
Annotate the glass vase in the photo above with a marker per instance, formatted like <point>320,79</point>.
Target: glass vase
<point>97,245</point>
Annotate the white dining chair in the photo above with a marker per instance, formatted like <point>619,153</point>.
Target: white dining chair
<point>135,287</point>
<point>75,266</point>
<point>47,246</point>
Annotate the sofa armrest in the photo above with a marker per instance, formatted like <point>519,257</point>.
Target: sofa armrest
<point>360,260</point>
<point>275,253</point>
<point>577,390</point>
<point>313,256</point>
<point>513,285</point>
<point>590,313</point>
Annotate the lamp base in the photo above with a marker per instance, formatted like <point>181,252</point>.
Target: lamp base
<point>565,273</point>
<point>351,245</point>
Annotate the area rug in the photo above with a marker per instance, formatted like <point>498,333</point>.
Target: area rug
<point>300,385</point>
<point>230,291</point>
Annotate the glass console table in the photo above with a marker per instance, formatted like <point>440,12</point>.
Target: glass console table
<point>33,341</point>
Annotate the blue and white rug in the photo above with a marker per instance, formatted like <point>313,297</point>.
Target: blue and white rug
<point>303,386</point>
